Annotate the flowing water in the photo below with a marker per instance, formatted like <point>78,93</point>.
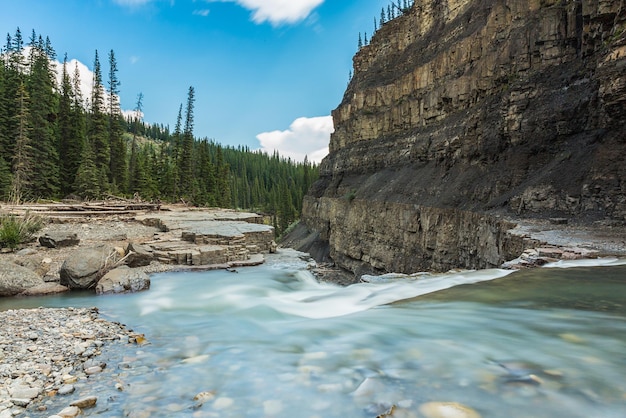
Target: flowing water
<point>272,341</point>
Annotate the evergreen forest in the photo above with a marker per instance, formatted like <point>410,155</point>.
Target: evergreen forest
<point>57,142</point>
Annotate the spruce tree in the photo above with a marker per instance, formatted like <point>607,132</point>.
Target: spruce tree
<point>69,155</point>
<point>185,167</point>
<point>5,179</point>
<point>117,165</point>
<point>222,174</point>
<point>97,132</point>
<point>87,183</point>
<point>41,85</point>
<point>23,159</point>
<point>382,17</point>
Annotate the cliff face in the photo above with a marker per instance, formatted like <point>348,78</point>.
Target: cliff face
<point>462,113</point>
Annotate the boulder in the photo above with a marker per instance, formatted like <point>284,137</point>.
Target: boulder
<point>85,267</point>
<point>123,280</point>
<point>15,279</point>
<point>45,289</point>
<point>139,255</point>
<point>59,239</point>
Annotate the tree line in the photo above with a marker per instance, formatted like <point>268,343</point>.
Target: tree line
<point>56,143</point>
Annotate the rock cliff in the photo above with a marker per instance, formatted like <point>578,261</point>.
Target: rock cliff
<point>464,116</point>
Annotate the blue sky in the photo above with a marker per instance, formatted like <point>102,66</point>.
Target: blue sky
<point>267,73</point>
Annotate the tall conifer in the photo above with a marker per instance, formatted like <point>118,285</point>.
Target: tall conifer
<point>97,131</point>
<point>41,85</point>
<point>117,166</point>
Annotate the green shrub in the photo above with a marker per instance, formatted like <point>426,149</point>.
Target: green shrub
<point>15,231</point>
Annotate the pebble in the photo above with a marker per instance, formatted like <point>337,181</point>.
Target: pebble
<point>88,402</point>
<point>66,390</point>
<point>447,410</point>
<point>93,370</point>
<point>69,412</point>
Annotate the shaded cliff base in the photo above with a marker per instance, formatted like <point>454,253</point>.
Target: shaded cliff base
<point>532,243</point>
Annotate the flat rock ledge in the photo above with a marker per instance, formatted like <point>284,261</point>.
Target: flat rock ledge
<point>44,352</point>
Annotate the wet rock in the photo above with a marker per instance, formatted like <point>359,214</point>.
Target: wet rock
<point>83,403</point>
<point>69,412</point>
<point>203,397</point>
<point>45,289</point>
<point>66,390</point>
<point>93,370</point>
<point>447,410</point>
<point>123,280</point>
<point>58,239</point>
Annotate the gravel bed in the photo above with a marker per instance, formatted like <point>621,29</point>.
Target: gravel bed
<point>46,353</point>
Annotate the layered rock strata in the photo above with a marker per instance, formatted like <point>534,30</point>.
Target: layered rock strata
<point>465,114</point>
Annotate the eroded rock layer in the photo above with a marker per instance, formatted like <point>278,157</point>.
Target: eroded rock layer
<point>464,112</point>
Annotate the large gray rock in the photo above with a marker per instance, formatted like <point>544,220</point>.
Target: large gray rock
<point>84,267</point>
<point>123,280</point>
<point>58,239</point>
<point>15,279</point>
<point>45,289</point>
<point>138,255</point>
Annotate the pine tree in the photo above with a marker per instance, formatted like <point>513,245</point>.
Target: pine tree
<point>360,43</point>
<point>382,17</point>
<point>375,25</point>
<point>117,164</point>
<point>366,41</point>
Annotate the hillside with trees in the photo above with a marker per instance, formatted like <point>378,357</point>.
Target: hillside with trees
<point>55,143</point>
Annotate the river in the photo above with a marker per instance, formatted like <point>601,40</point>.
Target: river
<point>272,341</point>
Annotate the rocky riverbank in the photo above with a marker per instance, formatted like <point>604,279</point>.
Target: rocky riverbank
<point>113,253</point>
<point>52,354</point>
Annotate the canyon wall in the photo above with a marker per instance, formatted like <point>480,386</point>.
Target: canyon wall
<point>464,115</point>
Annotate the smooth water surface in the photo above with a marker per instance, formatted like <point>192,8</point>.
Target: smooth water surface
<point>272,341</point>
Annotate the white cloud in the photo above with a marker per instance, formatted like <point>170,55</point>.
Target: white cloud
<point>202,12</point>
<point>278,11</point>
<point>305,137</point>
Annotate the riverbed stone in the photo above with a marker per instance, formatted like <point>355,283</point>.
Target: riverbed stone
<point>66,389</point>
<point>69,412</point>
<point>84,267</point>
<point>15,279</point>
<point>87,402</point>
<point>139,255</point>
<point>123,280</point>
<point>447,410</point>
<point>58,239</point>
